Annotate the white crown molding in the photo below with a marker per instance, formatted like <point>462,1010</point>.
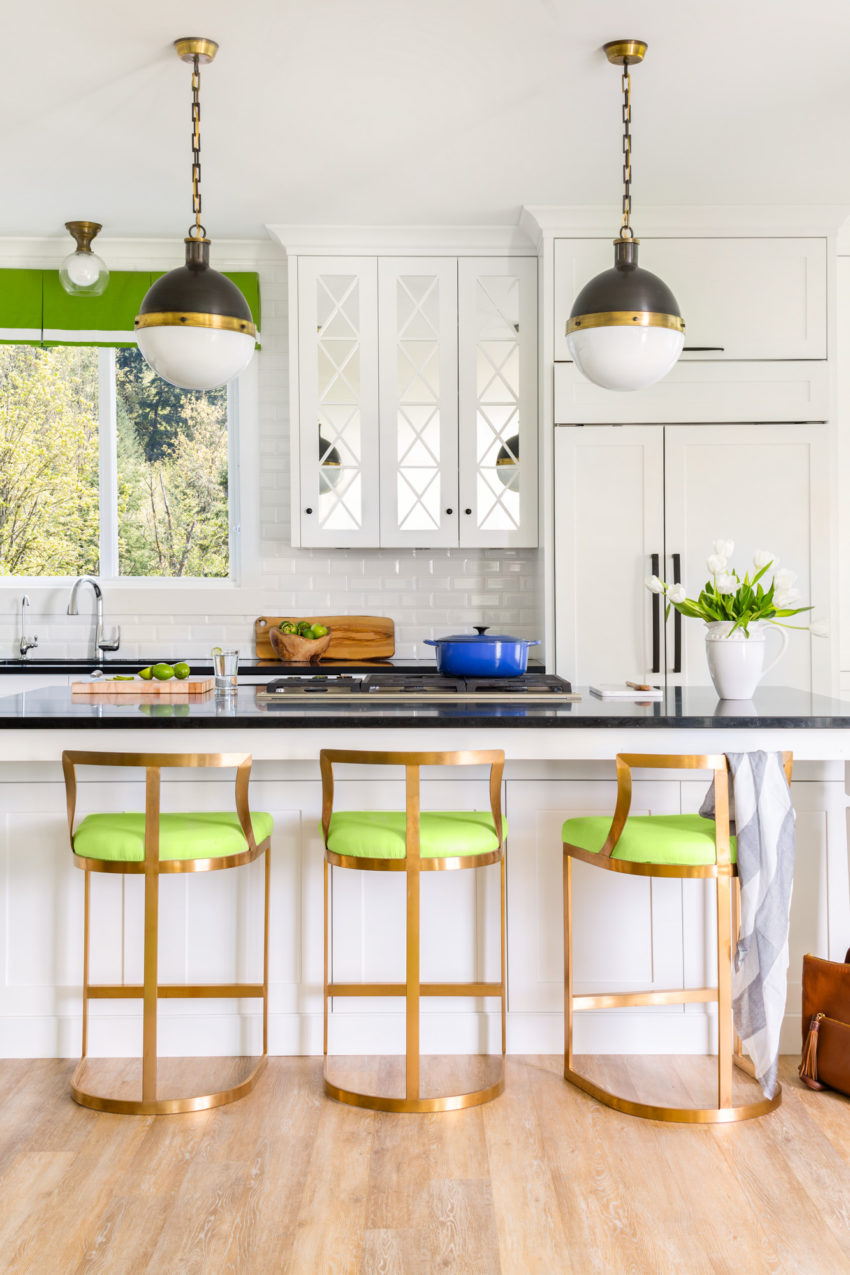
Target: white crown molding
<point>541,221</point>
<point>414,241</point>
<point>136,254</point>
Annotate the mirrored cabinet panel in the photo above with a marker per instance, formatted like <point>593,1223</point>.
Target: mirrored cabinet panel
<point>417,401</point>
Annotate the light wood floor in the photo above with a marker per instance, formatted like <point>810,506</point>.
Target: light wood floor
<point>541,1180</point>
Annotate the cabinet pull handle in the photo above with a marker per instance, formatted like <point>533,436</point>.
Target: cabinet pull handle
<point>703,349</point>
<point>449,511</point>
<point>655,567</point>
<point>677,617</point>
<point>467,511</point>
<point>308,511</point>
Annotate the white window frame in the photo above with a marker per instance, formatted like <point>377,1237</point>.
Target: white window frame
<point>241,458</point>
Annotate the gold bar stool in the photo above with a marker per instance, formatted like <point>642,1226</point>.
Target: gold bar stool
<point>413,842</point>
<point>149,845</point>
<point>684,846</point>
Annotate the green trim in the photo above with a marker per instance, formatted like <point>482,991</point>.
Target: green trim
<point>36,310</point>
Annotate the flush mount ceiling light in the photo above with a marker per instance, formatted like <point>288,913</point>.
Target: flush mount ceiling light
<point>83,273</point>
<point>625,330</point>
<point>195,327</point>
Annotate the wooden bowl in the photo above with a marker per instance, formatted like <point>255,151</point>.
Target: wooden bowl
<point>289,646</point>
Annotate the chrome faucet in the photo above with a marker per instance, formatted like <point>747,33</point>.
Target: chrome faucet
<point>102,642</point>
<point>27,643</point>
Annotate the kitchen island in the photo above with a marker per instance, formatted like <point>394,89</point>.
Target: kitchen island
<point>559,763</point>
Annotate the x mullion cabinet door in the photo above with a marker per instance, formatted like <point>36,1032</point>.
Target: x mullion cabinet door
<point>497,384</point>
<point>417,303</point>
<point>338,401</point>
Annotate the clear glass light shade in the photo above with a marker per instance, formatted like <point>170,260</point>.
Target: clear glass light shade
<point>196,358</point>
<point>84,274</point>
<point>625,358</point>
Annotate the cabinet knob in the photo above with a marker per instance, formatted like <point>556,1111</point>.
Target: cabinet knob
<point>308,511</point>
<point>449,511</point>
<point>467,511</point>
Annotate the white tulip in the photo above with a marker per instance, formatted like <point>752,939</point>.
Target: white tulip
<point>785,597</point>
<point>677,593</point>
<point>785,579</point>
<point>726,583</point>
<point>724,547</point>
<point>820,628</point>
<point>654,584</point>
<point>764,558</point>
<point>716,562</point>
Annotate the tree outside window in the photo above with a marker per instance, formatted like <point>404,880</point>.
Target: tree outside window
<point>133,483</point>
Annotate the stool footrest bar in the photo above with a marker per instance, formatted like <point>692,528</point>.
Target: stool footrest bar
<point>173,991</point>
<point>425,989</point>
<point>620,1000</point>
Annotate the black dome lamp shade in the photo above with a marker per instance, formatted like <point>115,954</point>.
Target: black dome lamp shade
<point>625,330</point>
<point>194,326</point>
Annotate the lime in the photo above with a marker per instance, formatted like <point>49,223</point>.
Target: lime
<point>146,674</point>
<point>216,651</point>
<point>182,670</point>
<point>162,672</point>
<point>319,630</point>
<point>123,677</point>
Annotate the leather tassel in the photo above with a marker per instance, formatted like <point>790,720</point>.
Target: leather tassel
<point>808,1069</point>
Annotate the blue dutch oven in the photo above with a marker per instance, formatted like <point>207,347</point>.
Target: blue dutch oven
<point>481,654</point>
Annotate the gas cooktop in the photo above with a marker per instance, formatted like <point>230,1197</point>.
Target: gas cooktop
<point>396,687</point>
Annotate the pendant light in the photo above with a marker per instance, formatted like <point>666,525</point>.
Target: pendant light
<point>625,330</point>
<point>195,327</point>
<point>83,273</point>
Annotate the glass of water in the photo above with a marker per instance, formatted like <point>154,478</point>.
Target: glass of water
<point>225,669</point>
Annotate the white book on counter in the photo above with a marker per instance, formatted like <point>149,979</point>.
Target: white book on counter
<point>622,690</point>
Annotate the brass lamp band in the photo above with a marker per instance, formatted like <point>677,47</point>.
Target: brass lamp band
<point>194,319</point>
<point>625,319</point>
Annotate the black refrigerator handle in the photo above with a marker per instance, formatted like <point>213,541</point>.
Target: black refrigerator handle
<point>677,616</point>
<point>655,567</point>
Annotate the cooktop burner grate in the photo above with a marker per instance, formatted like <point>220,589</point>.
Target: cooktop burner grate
<point>403,686</point>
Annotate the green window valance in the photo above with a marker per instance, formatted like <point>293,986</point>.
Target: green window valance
<point>36,310</point>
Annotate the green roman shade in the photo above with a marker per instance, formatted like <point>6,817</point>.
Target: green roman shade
<point>36,310</point>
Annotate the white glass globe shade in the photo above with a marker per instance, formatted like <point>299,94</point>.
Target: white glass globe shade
<point>196,358</point>
<point>625,358</point>
<point>84,274</point>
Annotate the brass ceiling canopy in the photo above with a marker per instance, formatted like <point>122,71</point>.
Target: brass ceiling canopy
<point>625,52</point>
<point>190,47</point>
<point>82,232</point>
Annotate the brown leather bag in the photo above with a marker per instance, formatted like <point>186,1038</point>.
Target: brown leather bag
<point>826,1024</point>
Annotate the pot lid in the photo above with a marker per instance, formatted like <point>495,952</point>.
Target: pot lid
<point>485,638</point>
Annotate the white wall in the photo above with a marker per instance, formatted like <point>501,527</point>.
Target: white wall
<point>427,592</point>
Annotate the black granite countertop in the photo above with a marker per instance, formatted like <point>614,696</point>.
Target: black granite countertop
<point>691,707</point>
<point>248,665</point>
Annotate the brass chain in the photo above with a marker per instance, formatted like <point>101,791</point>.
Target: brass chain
<point>626,231</point>
<point>197,231</point>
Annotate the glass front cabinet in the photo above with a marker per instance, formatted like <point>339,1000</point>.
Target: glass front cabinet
<point>416,401</point>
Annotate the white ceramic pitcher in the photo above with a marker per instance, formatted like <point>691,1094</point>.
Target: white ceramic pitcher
<point>735,661</point>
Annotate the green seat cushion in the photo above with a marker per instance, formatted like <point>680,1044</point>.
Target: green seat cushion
<point>208,835</point>
<point>684,840</point>
<point>379,834</point>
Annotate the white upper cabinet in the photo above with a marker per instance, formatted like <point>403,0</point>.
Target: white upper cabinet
<point>416,401</point>
<point>337,403</point>
<point>497,364</point>
<point>741,298</point>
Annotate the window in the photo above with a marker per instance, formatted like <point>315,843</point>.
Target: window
<point>106,469</point>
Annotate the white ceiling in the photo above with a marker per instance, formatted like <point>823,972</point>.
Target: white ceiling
<point>417,112</point>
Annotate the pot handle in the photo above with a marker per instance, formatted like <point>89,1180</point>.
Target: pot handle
<point>778,656</point>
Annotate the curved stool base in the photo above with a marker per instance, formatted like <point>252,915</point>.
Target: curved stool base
<point>162,1106</point>
<point>678,1115</point>
<point>447,1102</point>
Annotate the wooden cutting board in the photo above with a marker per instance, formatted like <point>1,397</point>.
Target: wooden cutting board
<point>138,686</point>
<point>353,637</point>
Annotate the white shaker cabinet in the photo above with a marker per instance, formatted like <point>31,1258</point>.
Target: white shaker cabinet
<point>639,500</point>
<point>416,401</point>
<point>741,298</point>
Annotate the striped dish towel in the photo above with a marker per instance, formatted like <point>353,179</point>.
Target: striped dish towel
<point>764,825</point>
